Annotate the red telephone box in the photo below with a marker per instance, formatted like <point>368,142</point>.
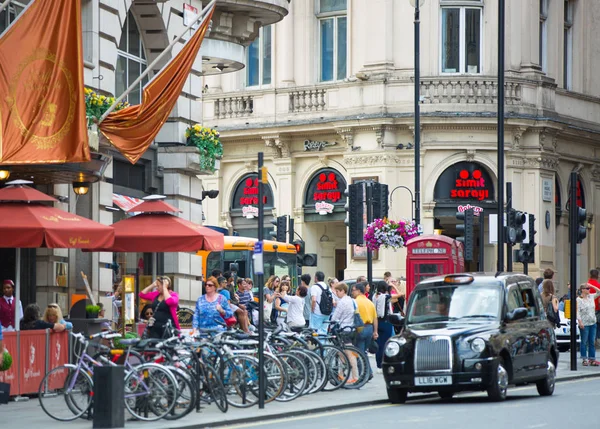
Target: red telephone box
<point>432,255</point>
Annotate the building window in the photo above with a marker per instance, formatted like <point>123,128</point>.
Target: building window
<point>461,33</point>
<point>333,39</point>
<point>8,15</point>
<point>568,46</point>
<point>543,34</point>
<point>131,61</point>
<point>259,59</point>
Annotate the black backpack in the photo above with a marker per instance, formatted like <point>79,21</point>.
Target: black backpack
<point>326,304</point>
<point>553,316</point>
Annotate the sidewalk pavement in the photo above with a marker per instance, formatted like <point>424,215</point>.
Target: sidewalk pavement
<point>30,415</point>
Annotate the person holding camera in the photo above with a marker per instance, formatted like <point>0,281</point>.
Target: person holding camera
<point>164,306</point>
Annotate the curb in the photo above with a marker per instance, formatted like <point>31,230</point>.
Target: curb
<point>335,408</point>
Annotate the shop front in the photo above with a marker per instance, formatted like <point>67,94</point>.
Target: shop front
<point>324,215</point>
<point>460,187</point>
<point>244,207</point>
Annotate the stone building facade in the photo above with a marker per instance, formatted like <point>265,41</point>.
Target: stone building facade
<point>330,89</point>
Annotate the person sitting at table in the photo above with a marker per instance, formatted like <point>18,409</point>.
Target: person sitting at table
<point>31,320</point>
<point>53,314</point>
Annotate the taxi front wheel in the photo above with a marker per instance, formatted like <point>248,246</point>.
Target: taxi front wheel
<point>498,382</point>
<point>397,396</point>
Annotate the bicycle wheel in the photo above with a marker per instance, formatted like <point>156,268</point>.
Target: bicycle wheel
<point>338,367</point>
<point>187,392</point>
<point>150,392</point>
<point>360,369</point>
<point>215,388</point>
<point>276,377</point>
<point>240,378</point>
<point>312,371</point>
<point>65,385</point>
<point>321,374</point>
<point>296,376</point>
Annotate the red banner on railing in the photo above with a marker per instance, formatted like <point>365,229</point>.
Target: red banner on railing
<point>33,361</point>
<point>10,376</point>
<point>58,354</point>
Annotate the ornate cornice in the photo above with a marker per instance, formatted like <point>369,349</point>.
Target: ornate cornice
<point>546,162</point>
<point>347,135</point>
<point>380,159</point>
<point>279,144</point>
<point>517,134</point>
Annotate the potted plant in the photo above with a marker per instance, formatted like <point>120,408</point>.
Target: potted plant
<point>96,105</point>
<point>389,234</point>
<point>208,142</point>
<point>92,311</point>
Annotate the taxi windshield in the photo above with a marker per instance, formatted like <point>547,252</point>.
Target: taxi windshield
<point>474,302</point>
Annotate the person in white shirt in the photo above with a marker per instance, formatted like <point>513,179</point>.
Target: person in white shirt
<point>345,309</point>
<point>295,309</point>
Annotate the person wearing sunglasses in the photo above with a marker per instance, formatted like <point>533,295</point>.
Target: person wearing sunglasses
<point>586,319</point>
<point>53,314</point>
<point>146,313</point>
<point>164,306</point>
<point>212,308</point>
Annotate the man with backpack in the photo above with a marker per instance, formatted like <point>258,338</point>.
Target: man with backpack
<point>321,303</point>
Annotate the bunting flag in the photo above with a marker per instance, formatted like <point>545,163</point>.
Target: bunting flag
<point>42,101</point>
<point>133,129</point>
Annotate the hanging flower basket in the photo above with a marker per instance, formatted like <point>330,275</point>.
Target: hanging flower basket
<point>96,105</point>
<point>389,234</point>
<point>209,144</point>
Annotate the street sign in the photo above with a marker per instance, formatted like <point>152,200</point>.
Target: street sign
<point>257,256</point>
<point>420,229</point>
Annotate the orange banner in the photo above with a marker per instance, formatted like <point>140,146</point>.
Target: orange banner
<point>133,129</point>
<point>42,110</point>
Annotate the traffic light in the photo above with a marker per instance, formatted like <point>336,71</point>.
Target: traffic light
<point>467,217</point>
<point>280,232</point>
<point>514,229</point>
<point>304,259</point>
<point>354,218</point>
<point>380,200</point>
<point>526,254</point>
<point>581,227</point>
<point>291,230</point>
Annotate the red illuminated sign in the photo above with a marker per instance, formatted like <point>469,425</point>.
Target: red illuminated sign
<point>250,193</point>
<point>327,188</point>
<point>470,187</point>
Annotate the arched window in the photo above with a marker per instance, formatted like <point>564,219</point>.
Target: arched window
<point>131,61</point>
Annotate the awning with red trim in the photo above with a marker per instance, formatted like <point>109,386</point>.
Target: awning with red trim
<point>124,202</point>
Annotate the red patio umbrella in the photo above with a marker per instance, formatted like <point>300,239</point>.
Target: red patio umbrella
<point>26,223</point>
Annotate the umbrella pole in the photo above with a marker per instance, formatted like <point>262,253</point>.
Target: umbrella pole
<point>154,265</point>
<point>18,290</point>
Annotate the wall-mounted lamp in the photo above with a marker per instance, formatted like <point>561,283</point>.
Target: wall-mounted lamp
<point>81,188</point>
<point>401,146</point>
<point>4,174</point>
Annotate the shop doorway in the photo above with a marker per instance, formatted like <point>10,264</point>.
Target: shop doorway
<point>340,263</point>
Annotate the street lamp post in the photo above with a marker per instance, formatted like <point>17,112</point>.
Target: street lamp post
<point>500,231</point>
<point>417,4</point>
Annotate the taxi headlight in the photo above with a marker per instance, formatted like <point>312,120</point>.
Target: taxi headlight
<point>392,349</point>
<point>478,345</point>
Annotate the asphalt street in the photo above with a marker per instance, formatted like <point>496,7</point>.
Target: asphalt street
<point>573,405</point>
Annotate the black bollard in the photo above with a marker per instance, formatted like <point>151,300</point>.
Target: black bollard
<point>109,390</point>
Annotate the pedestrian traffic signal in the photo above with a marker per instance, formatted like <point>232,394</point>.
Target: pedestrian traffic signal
<point>354,218</point>
<point>280,232</point>
<point>304,259</point>
<point>466,227</point>
<point>380,200</point>
<point>523,255</point>
<point>581,228</point>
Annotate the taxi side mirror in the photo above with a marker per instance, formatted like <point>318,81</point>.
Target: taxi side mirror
<point>516,314</point>
<point>396,319</point>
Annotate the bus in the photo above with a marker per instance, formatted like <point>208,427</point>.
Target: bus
<point>279,259</point>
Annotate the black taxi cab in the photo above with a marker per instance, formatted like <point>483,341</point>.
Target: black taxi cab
<point>472,332</point>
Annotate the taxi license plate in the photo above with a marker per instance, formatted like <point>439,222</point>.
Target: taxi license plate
<point>440,380</point>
